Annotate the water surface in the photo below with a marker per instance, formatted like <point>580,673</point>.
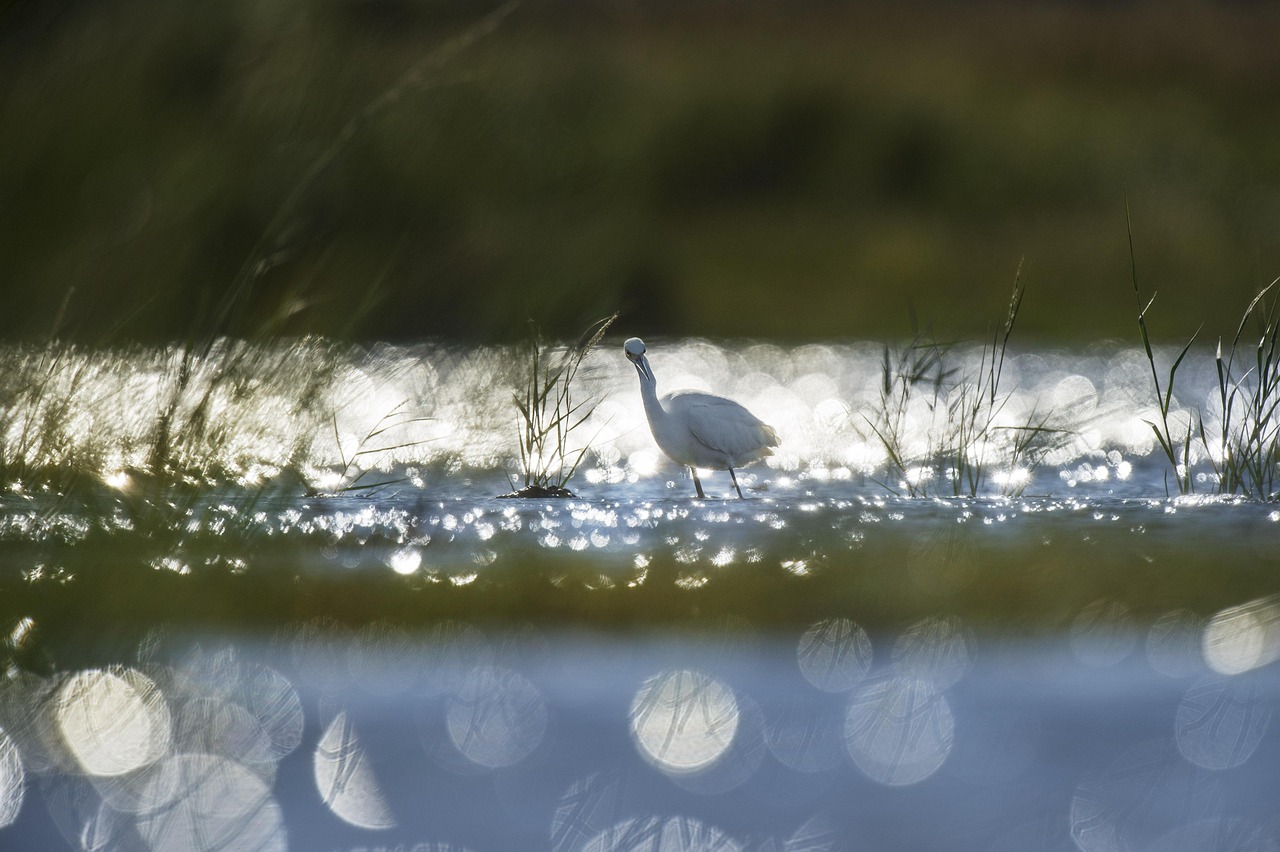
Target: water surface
<point>269,597</point>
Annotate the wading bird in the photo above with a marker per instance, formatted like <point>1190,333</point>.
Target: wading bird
<point>700,429</point>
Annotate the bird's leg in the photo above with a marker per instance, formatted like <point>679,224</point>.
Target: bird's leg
<point>697,483</point>
<point>734,477</point>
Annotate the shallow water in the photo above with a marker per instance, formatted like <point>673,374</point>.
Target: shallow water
<point>444,417</point>
<point>320,628</point>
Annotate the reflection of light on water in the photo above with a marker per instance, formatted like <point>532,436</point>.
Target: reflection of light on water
<point>588,808</point>
<point>274,704</point>
<point>798,567</point>
<point>1074,393</point>
<point>13,782</point>
<point>116,479</point>
<point>113,722</point>
<point>643,462</point>
<point>1173,644</point>
<point>519,715</point>
<point>899,731</point>
<point>1016,477</point>
<point>919,475</point>
<point>1243,637</point>
<point>819,833</point>
<point>314,405</point>
<point>170,563</point>
<point>212,726</point>
<point>934,649</point>
<point>405,561</point>
<point>202,802</point>
<point>834,654</point>
<point>21,632</point>
<point>346,780</point>
<point>724,557</point>
<point>683,720</point>
<point>688,582</point>
<point>655,834</point>
<point>739,762</point>
<point>1221,721</point>
<point>1141,796</point>
<point>804,734</point>
<point>497,718</point>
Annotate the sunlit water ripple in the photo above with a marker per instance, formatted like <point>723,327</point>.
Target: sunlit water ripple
<point>443,416</point>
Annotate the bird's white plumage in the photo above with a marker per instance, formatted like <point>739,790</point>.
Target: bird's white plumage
<point>721,429</point>
<point>700,429</point>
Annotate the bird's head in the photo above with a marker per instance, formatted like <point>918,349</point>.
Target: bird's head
<point>634,349</point>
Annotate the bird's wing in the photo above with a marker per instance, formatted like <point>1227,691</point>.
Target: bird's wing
<point>723,425</point>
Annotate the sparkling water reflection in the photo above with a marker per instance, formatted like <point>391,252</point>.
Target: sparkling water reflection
<point>340,417</point>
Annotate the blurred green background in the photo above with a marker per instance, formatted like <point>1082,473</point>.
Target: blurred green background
<point>794,170</point>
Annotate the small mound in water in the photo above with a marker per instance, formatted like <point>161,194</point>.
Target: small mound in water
<point>536,491</point>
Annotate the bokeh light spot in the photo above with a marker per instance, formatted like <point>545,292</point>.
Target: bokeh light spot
<point>1243,637</point>
<point>834,654</point>
<point>898,730</point>
<point>204,803</point>
<point>1221,721</point>
<point>683,720</point>
<point>934,649</point>
<point>497,718</point>
<point>113,722</point>
<point>346,779</point>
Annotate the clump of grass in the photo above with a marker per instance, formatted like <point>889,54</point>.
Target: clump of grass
<point>977,409</point>
<point>40,388</point>
<point>550,411</point>
<point>1243,446</point>
<point>970,405</point>
<point>1247,460</point>
<point>915,372</point>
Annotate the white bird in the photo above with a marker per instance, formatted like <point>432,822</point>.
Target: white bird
<point>700,429</point>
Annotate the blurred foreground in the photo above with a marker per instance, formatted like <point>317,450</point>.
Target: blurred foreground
<point>474,738</point>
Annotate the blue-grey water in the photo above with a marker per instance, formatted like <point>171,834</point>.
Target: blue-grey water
<point>316,625</point>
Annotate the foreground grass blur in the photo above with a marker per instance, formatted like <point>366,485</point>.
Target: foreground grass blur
<point>794,171</point>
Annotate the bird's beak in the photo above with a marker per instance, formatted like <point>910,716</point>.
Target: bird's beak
<point>642,365</point>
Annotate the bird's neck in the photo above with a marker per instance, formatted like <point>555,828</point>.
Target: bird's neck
<point>649,392</point>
